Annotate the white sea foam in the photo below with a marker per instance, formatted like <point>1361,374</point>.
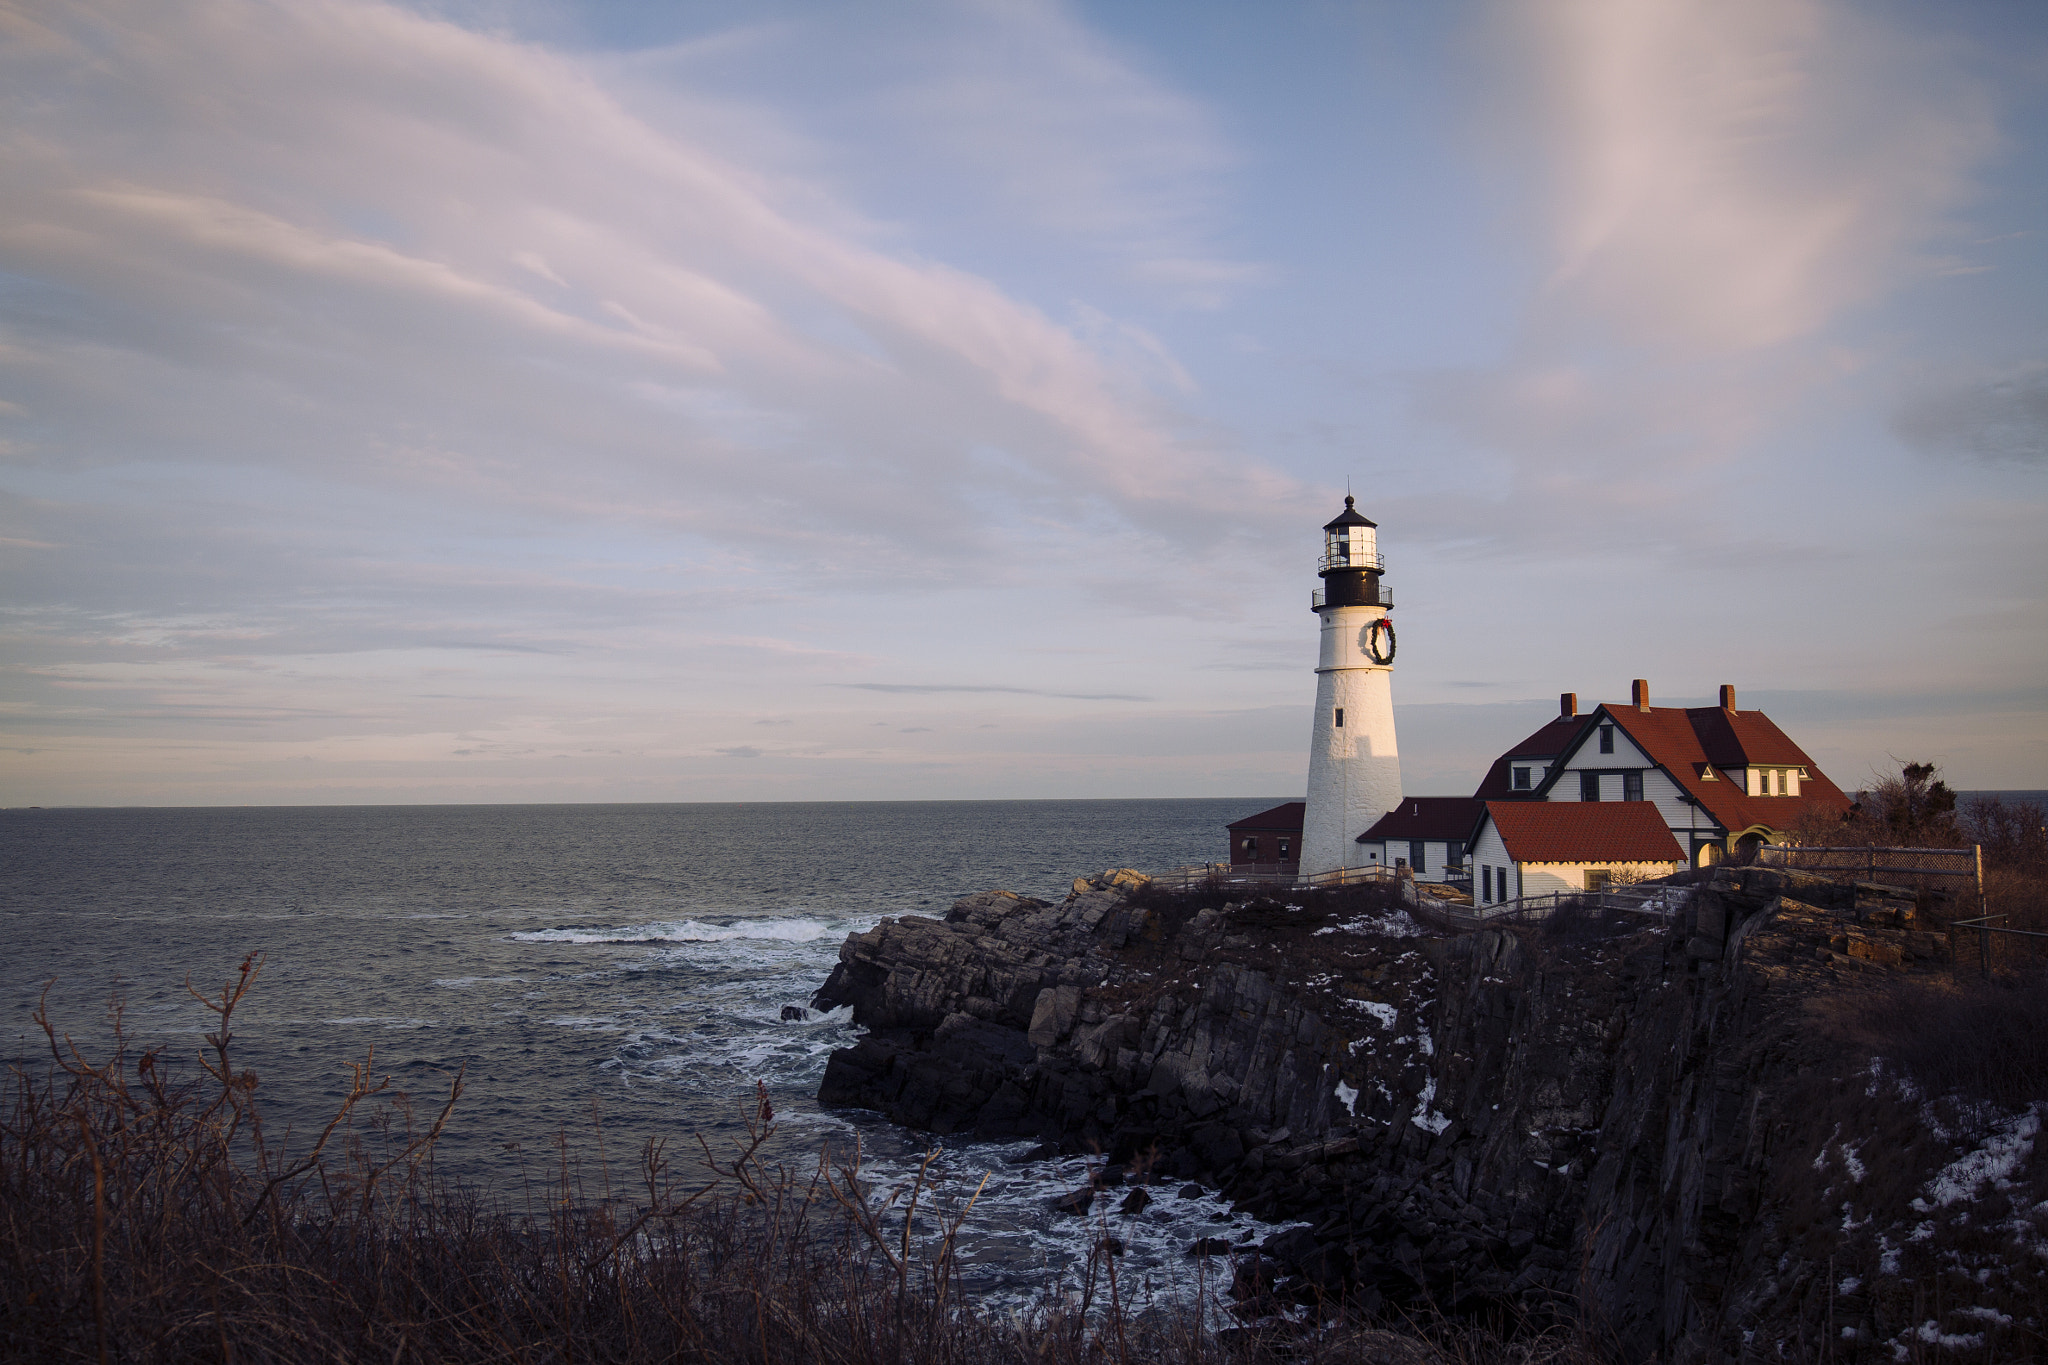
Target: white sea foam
<point>686,931</point>
<point>1015,1249</point>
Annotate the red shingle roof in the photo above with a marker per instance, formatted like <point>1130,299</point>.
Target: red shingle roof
<point>1282,817</point>
<point>1584,832</point>
<point>1428,817</point>
<point>1684,740</point>
<point>1552,740</point>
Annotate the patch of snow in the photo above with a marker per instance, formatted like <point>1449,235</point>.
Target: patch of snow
<point>1984,1313</point>
<point>1931,1333</point>
<point>2006,1147</point>
<point>1379,1010</point>
<point>1857,1170</point>
<point>1348,1097</point>
<point>1426,1117</point>
<point>1820,1158</point>
<point>1398,924</point>
<point>1887,1256</point>
<point>1849,1285</point>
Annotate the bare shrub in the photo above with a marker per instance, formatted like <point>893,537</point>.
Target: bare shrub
<point>148,1217</point>
<point>1980,1039</point>
<point>1583,919</point>
<point>2013,835</point>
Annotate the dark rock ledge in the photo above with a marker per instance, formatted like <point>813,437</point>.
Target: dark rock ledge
<point>1576,1113</point>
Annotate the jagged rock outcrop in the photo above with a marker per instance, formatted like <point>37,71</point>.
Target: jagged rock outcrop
<point>1581,1111</point>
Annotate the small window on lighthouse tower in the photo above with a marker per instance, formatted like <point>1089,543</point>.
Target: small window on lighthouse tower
<point>1340,718</point>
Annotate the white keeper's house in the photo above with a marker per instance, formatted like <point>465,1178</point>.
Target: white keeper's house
<point>1718,779</point>
<point>1624,791</point>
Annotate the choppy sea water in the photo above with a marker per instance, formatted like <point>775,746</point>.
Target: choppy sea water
<point>601,975</point>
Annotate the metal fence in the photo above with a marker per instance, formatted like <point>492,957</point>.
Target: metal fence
<point>1992,948</point>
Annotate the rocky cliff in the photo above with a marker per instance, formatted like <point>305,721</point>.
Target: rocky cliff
<point>1587,1113</point>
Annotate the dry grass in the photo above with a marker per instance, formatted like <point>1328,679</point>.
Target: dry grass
<point>1896,1245</point>
<point>1959,1035</point>
<point>147,1215</point>
<point>1578,922</point>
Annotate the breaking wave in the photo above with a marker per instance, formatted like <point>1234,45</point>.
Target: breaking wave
<point>686,931</point>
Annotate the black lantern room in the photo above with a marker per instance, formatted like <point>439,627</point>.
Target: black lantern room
<point>1351,564</point>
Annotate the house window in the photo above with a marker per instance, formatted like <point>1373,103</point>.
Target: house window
<point>1485,883</point>
<point>1521,779</point>
<point>1251,849</point>
<point>1778,782</point>
<point>1631,786</point>
<point>1283,850</point>
<point>1589,786</point>
<point>1454,854</point>
<point>1607,739</point>
<point>1340,718</point>
<point>1418,852</point>
<point>1597,878</point>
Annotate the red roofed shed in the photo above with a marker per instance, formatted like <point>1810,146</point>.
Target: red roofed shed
<point>1272,838</point>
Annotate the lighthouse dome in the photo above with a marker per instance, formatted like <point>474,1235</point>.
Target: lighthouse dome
<point>1349,517</point>
<point>1350,541</point>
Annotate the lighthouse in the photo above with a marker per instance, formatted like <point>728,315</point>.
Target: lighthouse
<point>1354,771</point>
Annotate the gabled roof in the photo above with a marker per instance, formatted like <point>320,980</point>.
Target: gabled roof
<point>1550,741</point>
<point>1687,741</point>
<point>1428,817</point>
<point>1584,832</point>
<point>1287,816</point>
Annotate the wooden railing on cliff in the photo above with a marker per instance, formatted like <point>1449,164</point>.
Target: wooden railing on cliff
<point>1913,865</point>
<point>1270,876</point>
<point>1659,901</point>
<point>1896,862</point>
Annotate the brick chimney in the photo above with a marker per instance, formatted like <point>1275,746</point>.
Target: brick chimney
<point>1728,698</point>
<point>1567,705</point>
<point>1639,692</point>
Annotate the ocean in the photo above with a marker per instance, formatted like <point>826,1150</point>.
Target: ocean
<point>602,975</point>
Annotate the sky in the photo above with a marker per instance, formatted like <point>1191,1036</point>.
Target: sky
<point>535,401</point>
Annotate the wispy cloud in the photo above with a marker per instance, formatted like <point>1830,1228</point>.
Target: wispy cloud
<point>2001,417</point>
<point>1717,187</point>
<point>1732,176</point>
<point>924,688</point>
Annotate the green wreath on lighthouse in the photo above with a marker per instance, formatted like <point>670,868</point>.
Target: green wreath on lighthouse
<point>1372,641</point>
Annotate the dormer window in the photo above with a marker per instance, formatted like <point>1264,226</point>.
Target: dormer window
<point>1607,739</point>
<point>1774,781</point>
<point>1521,779</point>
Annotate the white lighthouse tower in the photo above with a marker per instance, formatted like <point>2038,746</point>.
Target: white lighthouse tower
<point>1354,771</point>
